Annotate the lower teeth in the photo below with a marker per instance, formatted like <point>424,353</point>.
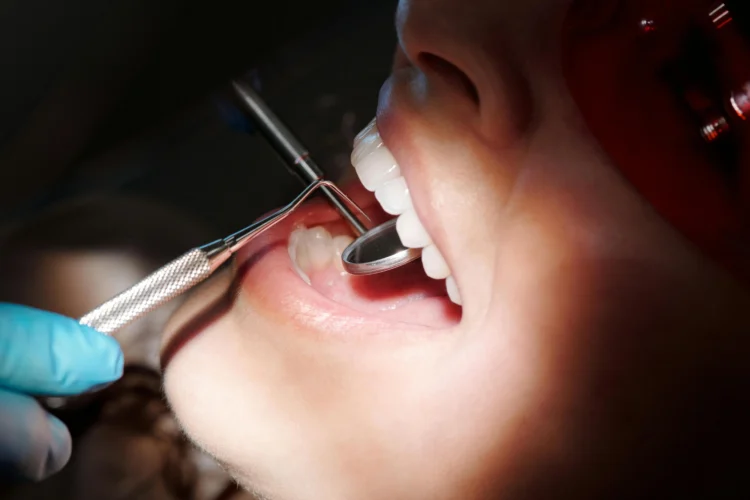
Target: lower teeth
<point>339,245</point>
<point>292,248</point>
<point>312,250</point>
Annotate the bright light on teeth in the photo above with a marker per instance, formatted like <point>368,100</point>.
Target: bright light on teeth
<point>434,264</point>
<point>339,245</point>
<point>294,240</point>
<point>379,172</point>
<point>411,230</point>
<point>450,285</point>
<point>315,249</point>
<point>393,196</point>
<point>375,165</point>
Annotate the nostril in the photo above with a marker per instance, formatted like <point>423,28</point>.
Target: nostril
<point>450,72</point>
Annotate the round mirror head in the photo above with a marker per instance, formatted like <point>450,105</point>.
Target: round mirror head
<point>377,251</point>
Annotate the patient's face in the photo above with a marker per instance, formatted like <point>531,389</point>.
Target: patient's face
<point>579,305</point>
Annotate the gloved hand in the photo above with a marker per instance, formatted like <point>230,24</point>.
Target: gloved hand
<point>43,353</point>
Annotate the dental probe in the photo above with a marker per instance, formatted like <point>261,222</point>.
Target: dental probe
<point>375,251</point>
<point>190,269</point>
<point>296,156</point>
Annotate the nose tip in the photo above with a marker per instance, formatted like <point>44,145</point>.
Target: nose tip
<point>465,49</point>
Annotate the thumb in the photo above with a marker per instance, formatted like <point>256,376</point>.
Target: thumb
<point>33,443</point>
<point>48,354</point>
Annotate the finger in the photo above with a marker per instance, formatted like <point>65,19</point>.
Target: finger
<point>33,443</point>
<point>49,354</point>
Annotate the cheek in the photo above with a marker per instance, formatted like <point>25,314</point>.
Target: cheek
<point>338,418</point>
<point>244,397</point>
<point>202,382</point>
<point>246,404</point>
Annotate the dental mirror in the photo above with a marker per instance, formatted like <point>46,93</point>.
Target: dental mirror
<point>377,251</point>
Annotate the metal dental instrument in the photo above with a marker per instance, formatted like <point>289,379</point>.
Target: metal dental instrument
<point>296,156</point>
<point>375,251</point>
<point>189,270</point>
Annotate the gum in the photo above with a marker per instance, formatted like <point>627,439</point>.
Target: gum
<point>385,293</point>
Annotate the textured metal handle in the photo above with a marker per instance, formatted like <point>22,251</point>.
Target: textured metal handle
<point>159,288</point>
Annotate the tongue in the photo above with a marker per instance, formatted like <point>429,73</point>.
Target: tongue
<point>405,294</point>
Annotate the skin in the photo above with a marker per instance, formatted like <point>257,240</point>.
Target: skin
<point>601,350</point>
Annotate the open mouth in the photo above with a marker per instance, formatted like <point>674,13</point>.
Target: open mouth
<point>295,268</point>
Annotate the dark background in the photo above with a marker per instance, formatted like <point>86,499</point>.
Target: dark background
<point>123,96</point>
<point>111,99</point>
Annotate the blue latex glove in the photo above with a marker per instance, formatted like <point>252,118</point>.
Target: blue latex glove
<point>43,353</point>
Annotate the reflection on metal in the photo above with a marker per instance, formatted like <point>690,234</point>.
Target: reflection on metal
<point>715,128</point>
<point>377,251</point>
<point>740,101</point>
<point>720,15</point>
<point>647,25</point>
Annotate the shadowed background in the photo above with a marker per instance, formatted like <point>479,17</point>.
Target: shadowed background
<point>118,153</point>
<point>117,95</point>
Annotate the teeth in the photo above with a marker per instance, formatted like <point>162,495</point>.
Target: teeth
<point>339,245</point>
<point>411,231</point>
<point>379,172</point>
<point>365,143</point>
<point>453,294</point>
<point>393,196</point>
<point>294,242</point>
<point>365,131</point>
<point>313,250</point>
<point>376,166</point>
<point>434,264</point>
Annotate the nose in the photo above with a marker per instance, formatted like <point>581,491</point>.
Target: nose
<point>466,45</point>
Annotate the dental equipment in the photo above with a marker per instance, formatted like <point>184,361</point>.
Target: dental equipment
<point>375,251</point>
<point>190,269</point>
<point>291,150</point>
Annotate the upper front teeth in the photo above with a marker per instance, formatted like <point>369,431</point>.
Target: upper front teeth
<point>411,230</point>
<point>373,162</point>
<point>393,196</point>
<point>379,172</point>
<point>434,263</point>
